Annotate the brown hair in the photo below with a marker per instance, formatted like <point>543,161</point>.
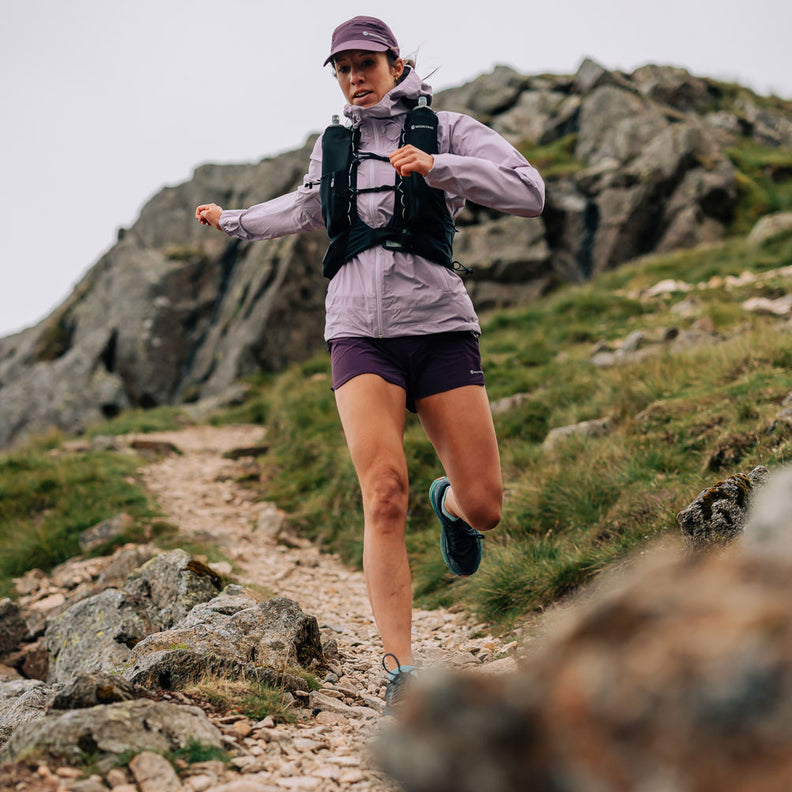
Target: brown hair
<point>409,63</point>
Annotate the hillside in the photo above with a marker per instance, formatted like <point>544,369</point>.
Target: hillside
<point>616,402</point>
<point>652,161</point>
<point>674,369</point>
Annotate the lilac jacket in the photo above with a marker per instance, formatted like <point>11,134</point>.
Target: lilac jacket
<point>382,293</point>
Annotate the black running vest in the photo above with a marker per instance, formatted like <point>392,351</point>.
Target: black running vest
<point>421,223</point>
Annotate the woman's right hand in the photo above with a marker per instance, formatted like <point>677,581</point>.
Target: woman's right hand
<point>209,214</point>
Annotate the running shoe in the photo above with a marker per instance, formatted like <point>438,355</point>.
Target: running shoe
<point>459,542</point>
<point>398,682</point>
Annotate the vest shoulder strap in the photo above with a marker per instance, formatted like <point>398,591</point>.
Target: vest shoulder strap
<point>420,223</point>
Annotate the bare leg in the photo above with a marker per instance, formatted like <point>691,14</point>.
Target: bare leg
<point>372,414</point>
<point>459,425</point>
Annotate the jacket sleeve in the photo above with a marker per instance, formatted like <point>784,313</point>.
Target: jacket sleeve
<point>288,214</point>
<point>478,165</point>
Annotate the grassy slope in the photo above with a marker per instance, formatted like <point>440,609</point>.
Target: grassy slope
<point>682,421</point>
<point>49,495</point>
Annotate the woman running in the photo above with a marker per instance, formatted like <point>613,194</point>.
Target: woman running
<point>400,326</point>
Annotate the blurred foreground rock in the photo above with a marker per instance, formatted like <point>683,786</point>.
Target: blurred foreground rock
<point>674,675</point>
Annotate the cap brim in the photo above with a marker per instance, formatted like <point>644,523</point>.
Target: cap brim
<point>367,45</point>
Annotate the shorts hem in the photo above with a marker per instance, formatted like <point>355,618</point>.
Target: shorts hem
<point>336,385</point>
<point>445,389</point>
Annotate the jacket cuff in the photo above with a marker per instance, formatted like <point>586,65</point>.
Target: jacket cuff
<point>229,221</point>
<point>440,175</point>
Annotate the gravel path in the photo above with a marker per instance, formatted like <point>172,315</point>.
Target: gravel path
<point>326,750</point>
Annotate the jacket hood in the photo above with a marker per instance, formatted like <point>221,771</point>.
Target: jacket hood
<point>400,99</point>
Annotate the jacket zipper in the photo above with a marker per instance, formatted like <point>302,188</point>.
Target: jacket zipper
<point>378,249</point>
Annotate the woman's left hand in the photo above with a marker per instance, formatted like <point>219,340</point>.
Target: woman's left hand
<point>409,159</point>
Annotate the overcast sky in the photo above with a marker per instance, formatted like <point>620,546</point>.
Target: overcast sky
<point>104,102</point>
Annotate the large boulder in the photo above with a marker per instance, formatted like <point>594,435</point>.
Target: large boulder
<point>510,250</point>
<point>615,124</point>
<point>172,312</point>
<point>663,198</point>
<point>21,700</point>
<point>675,87</point>
<point>766,125</point>
<point>91,689</point>
<point>168,626</point>
<point>232,635</point>
<point>101,734</point>
<point>538,117</point>
<point>592,75</point>
<point>95,634</point>
<point>700,207</point>
<point>486,95</point>
<point>169,586</point>
<point>99,632</point>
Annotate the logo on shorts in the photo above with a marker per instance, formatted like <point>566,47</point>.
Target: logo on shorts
<point>479,371</point>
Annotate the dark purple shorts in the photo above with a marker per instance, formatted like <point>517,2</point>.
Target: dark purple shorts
<point>422,365</point>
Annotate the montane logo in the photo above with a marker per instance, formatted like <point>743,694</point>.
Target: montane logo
<point>376,36</point>
<point>421,126</point>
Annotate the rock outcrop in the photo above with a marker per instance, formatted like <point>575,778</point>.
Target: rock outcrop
<point>174,313</point>
<point>105,732</point>
<point>12,627</point>
<point>718,514</point>
<point>109,654</point>
<point>171,312</point>
<point>231,634</point>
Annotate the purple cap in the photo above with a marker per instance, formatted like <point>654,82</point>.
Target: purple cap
<point>362,33</point>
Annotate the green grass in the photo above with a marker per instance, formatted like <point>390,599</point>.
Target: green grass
<point>191,753</point>
<point>555,159</point>
<point>196,751</point>
<point>255,700</point>
<point>683,419</point>
<point>47,501</point>
<point>48,496</point>
<point>161,419</point>
<point>764,181</point>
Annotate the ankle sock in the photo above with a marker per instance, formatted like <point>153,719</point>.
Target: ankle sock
<point>405,669</point>
<point>445,511</point>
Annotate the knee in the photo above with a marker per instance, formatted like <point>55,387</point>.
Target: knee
<point>484,511</point>
<point>486,518</point>
<point>385,497</point>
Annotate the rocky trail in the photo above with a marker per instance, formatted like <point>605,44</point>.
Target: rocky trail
<point>200,493</point>
<point>199,487</point>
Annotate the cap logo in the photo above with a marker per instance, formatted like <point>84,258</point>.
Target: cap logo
<point>376,36</point>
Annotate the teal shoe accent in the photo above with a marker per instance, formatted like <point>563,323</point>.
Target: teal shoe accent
<point>460,543</point>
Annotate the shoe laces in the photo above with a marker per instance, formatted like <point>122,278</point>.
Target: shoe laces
<point>392,675</point>
<point>462,531</point>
